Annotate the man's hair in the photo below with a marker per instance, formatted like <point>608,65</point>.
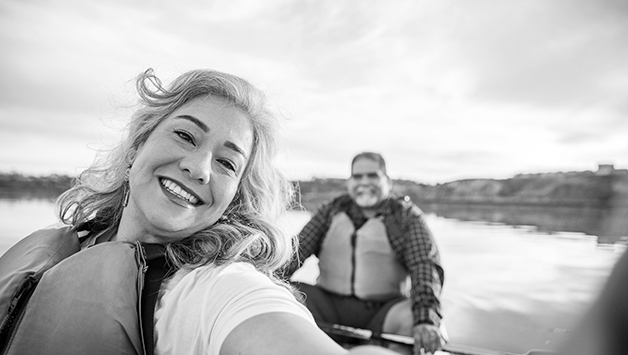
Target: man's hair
<point>376,157</point>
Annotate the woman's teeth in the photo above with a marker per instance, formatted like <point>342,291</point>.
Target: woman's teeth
<point>176,190</point>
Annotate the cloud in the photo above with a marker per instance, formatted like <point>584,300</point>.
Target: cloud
<point>545,53</point>
<point>445,89</point>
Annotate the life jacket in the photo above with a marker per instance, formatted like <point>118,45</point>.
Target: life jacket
<point>57,299</point>
<point>359,262</point>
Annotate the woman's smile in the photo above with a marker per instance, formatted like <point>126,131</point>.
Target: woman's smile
<point>180,192</point>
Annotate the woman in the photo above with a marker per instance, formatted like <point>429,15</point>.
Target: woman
<point>171,242</point>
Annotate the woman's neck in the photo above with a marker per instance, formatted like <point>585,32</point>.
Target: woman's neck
<point>132,232</point>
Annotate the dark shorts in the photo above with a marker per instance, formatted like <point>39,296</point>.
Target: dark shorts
<point>329,307</point>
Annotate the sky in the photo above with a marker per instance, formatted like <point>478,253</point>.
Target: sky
<point>445,90</point>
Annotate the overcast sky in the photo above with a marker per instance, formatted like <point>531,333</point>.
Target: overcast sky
<point>446,90</point>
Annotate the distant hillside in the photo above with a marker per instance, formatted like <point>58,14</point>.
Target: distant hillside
<point>548,189</point>
<point>14,185</point>
<point>581,188</point>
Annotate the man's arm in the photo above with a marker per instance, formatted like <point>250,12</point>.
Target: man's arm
<point>422,258</point>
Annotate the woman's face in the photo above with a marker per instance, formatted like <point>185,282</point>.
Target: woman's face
<point>188,171</point>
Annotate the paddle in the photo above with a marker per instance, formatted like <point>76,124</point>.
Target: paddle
<point>368,335</point>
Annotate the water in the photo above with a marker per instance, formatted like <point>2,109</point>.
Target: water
<point>508,288</point>
<point>18,218</point>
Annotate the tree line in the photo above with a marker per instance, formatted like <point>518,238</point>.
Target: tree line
<point>585,188</point>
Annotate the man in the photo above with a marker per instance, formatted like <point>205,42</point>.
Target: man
<point>368,243</point>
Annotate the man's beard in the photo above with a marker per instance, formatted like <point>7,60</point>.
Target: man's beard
<point>366,200</point>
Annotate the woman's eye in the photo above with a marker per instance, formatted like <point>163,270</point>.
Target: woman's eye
<point>227,164</point>
<point>185,136</point>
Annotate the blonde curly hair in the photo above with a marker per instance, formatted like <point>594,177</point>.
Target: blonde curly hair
<point>250,231</point>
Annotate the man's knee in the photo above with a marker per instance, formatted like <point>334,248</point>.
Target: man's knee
<point>398,319</point>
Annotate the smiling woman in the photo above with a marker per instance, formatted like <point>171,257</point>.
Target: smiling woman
<point>171,243</point>
<point>186,174</point>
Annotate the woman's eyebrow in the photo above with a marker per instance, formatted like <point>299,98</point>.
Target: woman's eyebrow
<point>196,121</point>
<point>205,129</point>
<point>235,148</point>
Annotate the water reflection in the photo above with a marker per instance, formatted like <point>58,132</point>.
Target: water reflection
<point>21,217</point>
<point>508,289</point>
<point>610,225</point>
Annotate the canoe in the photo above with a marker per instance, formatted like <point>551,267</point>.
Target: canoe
<point>349,337</point>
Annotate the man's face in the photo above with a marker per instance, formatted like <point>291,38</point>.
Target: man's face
<point>368,185</point>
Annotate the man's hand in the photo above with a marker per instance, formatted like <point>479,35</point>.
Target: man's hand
<point>427,337</point>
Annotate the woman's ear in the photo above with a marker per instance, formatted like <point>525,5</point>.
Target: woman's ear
<point>131,154</point>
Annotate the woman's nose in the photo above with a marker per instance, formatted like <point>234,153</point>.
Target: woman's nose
<point>198,166</point>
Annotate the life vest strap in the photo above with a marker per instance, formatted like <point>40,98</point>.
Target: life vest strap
<point>157,270</point>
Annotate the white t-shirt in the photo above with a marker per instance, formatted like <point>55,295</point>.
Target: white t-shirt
<point>199,308</point>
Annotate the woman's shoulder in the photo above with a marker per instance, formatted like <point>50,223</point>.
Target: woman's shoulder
<point>227,286</point>
<point>240,275</point>
<point>221,284</point>
<point>211,301</point>
<point>233,269</point>
<point>237,275</point>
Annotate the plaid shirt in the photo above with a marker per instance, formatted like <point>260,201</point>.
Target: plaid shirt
<point>410,239</point>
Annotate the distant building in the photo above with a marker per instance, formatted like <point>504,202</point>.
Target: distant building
<point>605,169</point>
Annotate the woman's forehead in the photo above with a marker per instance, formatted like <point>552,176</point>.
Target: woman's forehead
<point>213,113</point>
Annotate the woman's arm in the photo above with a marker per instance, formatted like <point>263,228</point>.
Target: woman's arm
<point>281,333</point>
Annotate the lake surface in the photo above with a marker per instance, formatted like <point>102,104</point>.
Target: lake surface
<point>508,288</point>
